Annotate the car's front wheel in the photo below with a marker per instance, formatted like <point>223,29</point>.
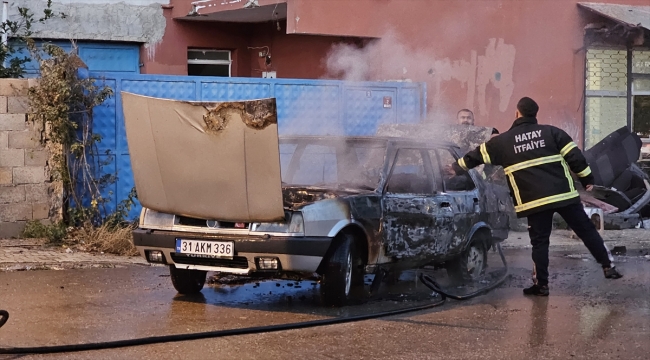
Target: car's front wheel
<point>343,276</point>
<point>187,281</point>
<point>471,264</point>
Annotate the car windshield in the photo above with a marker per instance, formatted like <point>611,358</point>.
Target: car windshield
<point>335,163</point>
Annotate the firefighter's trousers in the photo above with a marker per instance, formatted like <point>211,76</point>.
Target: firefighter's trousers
<point>540,226</point>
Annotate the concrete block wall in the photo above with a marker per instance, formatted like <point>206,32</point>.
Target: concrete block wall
<point>25,186</point>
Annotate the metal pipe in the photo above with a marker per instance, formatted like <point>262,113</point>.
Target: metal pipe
<point>5,7</point>
<point>629,88</point>
<point>5,17</point>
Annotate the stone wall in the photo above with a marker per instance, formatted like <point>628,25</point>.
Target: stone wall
<point>25,186</point>
<point>140,21</point>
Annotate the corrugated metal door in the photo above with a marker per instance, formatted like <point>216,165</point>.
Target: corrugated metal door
<point>306,107</point>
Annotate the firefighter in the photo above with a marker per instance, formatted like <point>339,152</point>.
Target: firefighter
<point>536,160</point>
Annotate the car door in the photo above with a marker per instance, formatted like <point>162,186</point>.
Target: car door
<point>463,197</point>
<point>416,220</point>
<point>485,195</point>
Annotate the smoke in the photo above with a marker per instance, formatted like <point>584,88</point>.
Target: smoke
<point>379,60</point>
<point>391,59</point>
<point>385,59</point>
<point>480,79</point>
<point>351,63</point>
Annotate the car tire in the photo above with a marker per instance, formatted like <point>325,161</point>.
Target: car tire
<point>187,281</point>
<point>471,263</point>
<point>342,279</point>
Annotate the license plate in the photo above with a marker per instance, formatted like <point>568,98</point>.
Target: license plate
<point>202,247</point>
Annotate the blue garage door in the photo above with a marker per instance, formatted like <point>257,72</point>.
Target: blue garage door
<point>101,58</point>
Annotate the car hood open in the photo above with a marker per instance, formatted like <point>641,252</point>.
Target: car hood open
<point>209,160</point>
<point>620,184</point>
<point>610,157</point>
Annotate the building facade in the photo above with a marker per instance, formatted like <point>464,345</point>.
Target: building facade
<point>587,64</point>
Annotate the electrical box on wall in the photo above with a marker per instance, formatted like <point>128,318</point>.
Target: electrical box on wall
<point>268,74</point>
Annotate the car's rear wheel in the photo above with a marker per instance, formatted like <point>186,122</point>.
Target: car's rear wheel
<point>471,263</point>
<point>343,275</point>
<point>187,281</point>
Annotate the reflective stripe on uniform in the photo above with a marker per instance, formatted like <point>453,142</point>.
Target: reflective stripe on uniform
<point>565,150</point>
<point>484,153</point>
<point>546,200</point>
<point>568,175</point>
<point>461,162</point>
<point>584,172</point>
<point>539,161</point>
<point>515,189</point>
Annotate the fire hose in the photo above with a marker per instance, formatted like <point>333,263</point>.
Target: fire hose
<point>212,334</point>
<point>429,282</point>
<point>426,280</point>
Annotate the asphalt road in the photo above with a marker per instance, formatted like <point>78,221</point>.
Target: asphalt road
<point>586,316</point>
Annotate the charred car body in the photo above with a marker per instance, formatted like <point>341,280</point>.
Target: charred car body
<point>222,192</point>
<point>353,205</point>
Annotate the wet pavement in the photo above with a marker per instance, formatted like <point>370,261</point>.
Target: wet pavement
<point>38,254</point>
<point>586,316</point>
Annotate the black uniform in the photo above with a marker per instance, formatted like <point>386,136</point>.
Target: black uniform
<point>536,160</point>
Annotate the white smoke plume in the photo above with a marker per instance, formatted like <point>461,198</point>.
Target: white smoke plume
<point>390,59</point>
<point>380,60</point>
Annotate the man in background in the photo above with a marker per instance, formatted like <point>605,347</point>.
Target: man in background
<point>465,117</point>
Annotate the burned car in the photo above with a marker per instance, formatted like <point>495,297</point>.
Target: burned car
<point>221,191</point>
<point>352,205</point>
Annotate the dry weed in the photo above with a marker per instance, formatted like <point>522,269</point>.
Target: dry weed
<point>108,239</point>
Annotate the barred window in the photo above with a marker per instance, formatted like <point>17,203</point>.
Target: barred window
<point>201,62</point>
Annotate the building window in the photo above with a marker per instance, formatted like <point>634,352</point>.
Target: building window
<point>641,92</point>
<point>201,62</point>
<point>606,105</point>
<point>641,103</point>
<point>606,93</point>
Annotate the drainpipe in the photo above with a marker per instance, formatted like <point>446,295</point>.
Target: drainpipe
<point>629,87</point>
<point>5,7</point>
